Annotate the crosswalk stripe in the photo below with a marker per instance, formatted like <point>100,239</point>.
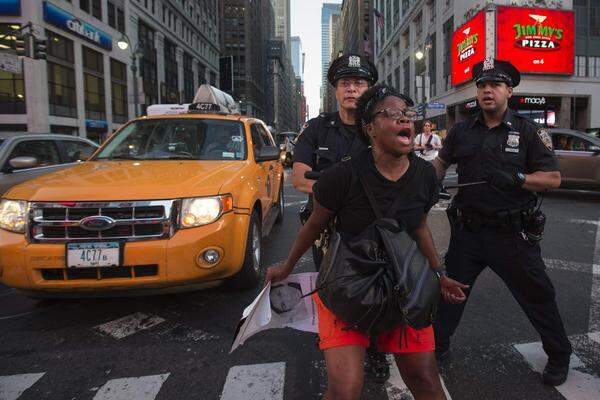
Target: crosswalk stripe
<point>138,388</point>
<point>255,382</point>
<point>396,388</point>
<point>13,386</point>
<point>594,318</point>
<point>579,385</point>
<point>128,325</point>
<point>595,336</point>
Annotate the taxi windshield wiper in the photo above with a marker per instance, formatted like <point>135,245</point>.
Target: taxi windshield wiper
<point>119,158</point>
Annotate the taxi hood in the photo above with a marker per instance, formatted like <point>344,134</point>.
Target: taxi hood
<point>129,180</point>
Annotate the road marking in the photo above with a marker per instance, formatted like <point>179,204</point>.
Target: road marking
<point>255,382</point>
<point>579,385</point>
<point>395,386</point>
<point>13,386</point>
<point>128,325</point>
<point>595,336</point>
<point>139,388</point>
<point>564,265</point>
<point>294,203</point>
<point>584,221</point>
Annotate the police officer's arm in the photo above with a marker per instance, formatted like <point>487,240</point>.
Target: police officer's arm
<point>304,156</point>
<point>445,157</point>
<point>542,164</point>
<point>298,180</point>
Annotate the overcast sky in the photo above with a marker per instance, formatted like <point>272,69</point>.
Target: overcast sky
<point>306,23</point>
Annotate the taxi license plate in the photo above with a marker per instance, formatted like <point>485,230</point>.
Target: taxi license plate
<point>92,255</point>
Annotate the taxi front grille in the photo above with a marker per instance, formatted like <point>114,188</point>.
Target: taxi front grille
<point>69,274</point>
<point>130,221</point>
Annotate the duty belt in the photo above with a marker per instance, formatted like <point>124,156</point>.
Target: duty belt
<point>505,219</point>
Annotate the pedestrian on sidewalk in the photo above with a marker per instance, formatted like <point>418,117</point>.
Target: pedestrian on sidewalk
<point>427,143</point>
<point>393,171</point>
<point>496,224</point>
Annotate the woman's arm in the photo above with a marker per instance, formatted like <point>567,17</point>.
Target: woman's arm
<point>306,237</point>
<point>451,290</point>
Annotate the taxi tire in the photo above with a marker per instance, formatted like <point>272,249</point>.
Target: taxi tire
<point>249,276</point>
<point>280,204</point>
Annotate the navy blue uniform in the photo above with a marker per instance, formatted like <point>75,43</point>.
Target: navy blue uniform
<point>325,140</point>
<point>487,223</point>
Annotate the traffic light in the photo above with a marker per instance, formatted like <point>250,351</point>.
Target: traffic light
<point>39,48</point>
<point>21,44</point>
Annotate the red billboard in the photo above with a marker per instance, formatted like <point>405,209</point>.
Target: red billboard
<point>468,48</point>
<point>537,40</point>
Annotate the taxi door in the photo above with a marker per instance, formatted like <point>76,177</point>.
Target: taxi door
<point>273,167</point>
<point>263,169</point>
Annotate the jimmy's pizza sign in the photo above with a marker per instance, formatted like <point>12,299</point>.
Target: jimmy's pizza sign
<point>536,39</point>
<point>468,48</point>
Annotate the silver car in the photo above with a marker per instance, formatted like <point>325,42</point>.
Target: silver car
<point>578,157</point>
<point>26,156</point>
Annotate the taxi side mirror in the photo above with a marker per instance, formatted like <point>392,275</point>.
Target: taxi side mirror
<point>267,153</point>
<point>23,162</point>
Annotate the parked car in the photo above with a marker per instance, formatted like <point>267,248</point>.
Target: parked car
<point>579,158</point>
<point>175,200</point>
<point>26,156</point>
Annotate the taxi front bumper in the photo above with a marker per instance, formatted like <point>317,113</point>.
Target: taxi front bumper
<point>154,265</point>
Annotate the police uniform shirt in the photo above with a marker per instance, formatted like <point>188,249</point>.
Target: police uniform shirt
<point>326,140</point>
<point>516,145</point>
<point>340,191</point>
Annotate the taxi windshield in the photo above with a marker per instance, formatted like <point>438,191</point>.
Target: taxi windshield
<point>177,139</point>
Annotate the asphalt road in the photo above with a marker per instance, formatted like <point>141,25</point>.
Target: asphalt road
<point>179,346</point>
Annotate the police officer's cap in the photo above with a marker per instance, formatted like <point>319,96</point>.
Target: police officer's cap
<point>492,70</point>
<point>352,65</point>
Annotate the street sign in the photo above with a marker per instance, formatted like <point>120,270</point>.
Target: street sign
<point>10,63</point>
<point>436,105</point>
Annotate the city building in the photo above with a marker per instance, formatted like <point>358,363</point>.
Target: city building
<point>281,9</point>
<point>329,102</point>
<point>297,56</point>
<point>327,10</point>
<point>356,25</point>
<point>245,30</point>
<point>86,85</point>
<point>426,48</point>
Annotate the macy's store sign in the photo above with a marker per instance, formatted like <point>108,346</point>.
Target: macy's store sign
<point>68,22</point>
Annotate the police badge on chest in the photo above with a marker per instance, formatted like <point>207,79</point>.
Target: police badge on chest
<point>512,142</point>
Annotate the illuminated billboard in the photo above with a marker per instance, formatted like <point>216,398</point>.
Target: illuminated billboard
<point>536,40</point>
<point>468,48</point>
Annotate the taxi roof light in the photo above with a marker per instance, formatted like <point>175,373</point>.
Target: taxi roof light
<point>208,99</point>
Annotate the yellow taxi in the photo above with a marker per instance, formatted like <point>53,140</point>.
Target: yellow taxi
<point>175,200</point>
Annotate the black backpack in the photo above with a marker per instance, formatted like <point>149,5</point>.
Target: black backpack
<point>379,279</point>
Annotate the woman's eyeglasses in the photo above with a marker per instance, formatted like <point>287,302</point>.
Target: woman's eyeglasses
<point>397,113</point>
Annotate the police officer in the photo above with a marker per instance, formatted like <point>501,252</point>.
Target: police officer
<point>496,224</point>
<point>329,138</point>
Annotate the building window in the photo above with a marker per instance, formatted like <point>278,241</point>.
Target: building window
<point>447,30</point>
<point>397,76</point>
<point>419,24</point>
<point>432,65</point>
<point>595,18</point>
<point>213,78</point>
<point>61,76</point>
<point>432,12</point>
<point>171,92</point>
<point>116,17</point>
<point>12,86</point>
<point>188,78</point>
<point>118,87</point>
<point>93,7</point>
<point>406,75</point>
<point>201,74</point>
<point>405,7</point>
<point>147,65</point>
<point>396,12</point>
<point>594,67</point>
<point>93,79</point>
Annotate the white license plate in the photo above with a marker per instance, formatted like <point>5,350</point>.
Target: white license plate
<point>91,255</point>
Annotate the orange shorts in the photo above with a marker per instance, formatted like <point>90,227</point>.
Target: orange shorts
<point>331,334</point>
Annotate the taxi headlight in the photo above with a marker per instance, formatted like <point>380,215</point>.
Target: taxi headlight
<point>199,211</point>
<point>13,215</point>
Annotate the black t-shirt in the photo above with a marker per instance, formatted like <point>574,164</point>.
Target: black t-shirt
<point>340,191</point>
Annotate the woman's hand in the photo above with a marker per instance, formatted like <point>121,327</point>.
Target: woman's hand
<point>278,273</point>
<point>452,291</point>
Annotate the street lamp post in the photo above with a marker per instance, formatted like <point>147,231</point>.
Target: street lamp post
<point>124,43</point>
<point>422,55</point>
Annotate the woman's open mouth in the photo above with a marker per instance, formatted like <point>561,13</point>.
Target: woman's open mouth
<point>404,136</point>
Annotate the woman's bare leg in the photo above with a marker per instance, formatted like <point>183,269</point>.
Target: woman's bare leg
<point>344,372</point>
<point>419,372</point>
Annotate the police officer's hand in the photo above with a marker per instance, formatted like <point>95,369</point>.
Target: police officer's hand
<point>504,180</point>
<point>452,291</point>
<point>278,273</point>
